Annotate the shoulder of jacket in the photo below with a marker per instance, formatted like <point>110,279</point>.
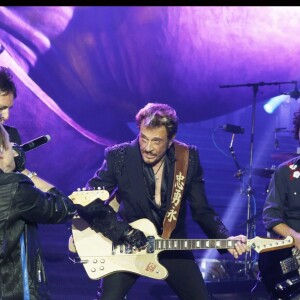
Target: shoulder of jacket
<point>9,127</point>
<point>118,147</point>
<point>13,178</point>
<point>116,154</point>
<point>288,163</point>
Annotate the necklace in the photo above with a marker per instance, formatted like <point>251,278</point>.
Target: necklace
<point>159,168</point>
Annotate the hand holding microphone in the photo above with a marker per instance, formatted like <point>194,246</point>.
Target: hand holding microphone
<point>20,158</point>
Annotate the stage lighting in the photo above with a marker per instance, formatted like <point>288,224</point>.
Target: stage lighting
<point>274,102</point>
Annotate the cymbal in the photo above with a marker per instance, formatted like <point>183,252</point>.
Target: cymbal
<point>284,155</point>
<point>263,172</point>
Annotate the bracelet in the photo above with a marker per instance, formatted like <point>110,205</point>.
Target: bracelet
<point>31,174</point>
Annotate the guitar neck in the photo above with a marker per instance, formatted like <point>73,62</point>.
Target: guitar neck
<point>193,244</point>
<point>258,244</point>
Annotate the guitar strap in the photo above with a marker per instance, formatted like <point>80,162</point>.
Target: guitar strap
<point>181,165</point>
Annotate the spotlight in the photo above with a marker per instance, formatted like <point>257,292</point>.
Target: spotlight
<point>274,102</point>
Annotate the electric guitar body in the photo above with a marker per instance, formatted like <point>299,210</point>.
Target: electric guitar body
<point>279,272</point>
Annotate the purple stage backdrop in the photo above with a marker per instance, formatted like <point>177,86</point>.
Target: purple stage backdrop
<point>82,73</point>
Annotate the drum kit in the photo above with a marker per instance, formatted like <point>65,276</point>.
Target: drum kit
<point>268,172</point>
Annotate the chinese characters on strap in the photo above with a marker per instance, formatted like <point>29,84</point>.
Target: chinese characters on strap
<point>181,165</point>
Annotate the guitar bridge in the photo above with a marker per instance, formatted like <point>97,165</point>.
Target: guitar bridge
<point>292,263</point>
<point>288,265</point>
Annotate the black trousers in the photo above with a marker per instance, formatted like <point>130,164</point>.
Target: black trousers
<point>184,278</point>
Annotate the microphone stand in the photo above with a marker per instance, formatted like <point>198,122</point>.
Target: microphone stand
<point>251,226</point>
<point>250,222</point>
<point>239,172</point>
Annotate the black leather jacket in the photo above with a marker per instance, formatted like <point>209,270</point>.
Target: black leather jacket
<point>22,207</point>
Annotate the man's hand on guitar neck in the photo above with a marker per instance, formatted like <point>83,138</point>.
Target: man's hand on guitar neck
<point>240,247</point>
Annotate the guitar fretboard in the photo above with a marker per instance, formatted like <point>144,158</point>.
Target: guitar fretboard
<point>183,244</point>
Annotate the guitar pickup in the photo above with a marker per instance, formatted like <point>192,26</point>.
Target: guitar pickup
<point>151,244</point>
<point>287,283</point>
<point>288,265</point>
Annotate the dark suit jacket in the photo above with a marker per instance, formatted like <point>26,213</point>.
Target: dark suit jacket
<point>14,134</point>
<point>282,204</point>
<point>123,169</point>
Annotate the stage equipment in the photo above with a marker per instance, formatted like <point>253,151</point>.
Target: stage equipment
<point>247,188</point>
<point>295,94</point>
<point>274,102</point>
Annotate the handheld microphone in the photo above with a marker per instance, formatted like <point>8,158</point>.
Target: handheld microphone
<point>233,128</point>
<point>36,142</point>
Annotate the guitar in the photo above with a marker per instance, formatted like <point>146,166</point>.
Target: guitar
<point>100,257</point>
<point>85,197</point>
<point>279,272</point>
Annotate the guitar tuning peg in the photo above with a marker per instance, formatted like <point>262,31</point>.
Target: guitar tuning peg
<point>78,189</point>
<point>84,189</point>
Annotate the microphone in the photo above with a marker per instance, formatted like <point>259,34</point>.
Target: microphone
<point>233,128</point>
<point>36,142</point>
<point>295,94</point>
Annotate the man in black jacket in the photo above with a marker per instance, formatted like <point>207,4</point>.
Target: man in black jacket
<point>142,172</point>
<point>25,201</point>
<point>281,218</point>
<point>281,213</point>
<point>8,94</point>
